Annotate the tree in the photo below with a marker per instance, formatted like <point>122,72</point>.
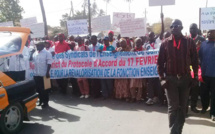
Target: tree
<point>156,27</point>
<point>10,11</point>
<point>82,14</point>
<point>129,4</point>
<point>107,1</point>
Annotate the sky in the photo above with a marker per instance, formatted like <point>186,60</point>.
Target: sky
<point>185,10</point>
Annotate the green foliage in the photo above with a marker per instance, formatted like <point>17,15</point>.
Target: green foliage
<point>10,11</point>
<point>156,27</point>
<point>82,14</point>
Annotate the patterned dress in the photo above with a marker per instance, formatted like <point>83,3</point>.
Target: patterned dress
<point>121,86</point>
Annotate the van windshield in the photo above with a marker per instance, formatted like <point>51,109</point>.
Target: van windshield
<point>9,43</point>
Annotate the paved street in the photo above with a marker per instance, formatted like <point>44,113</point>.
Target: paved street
<point>71,115</point>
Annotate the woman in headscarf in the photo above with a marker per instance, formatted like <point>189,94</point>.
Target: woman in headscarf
<point>122,85</point>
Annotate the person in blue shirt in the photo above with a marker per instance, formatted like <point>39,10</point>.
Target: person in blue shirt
<point>106,46</point>
<point>107,84</point>
<point>207,62</point>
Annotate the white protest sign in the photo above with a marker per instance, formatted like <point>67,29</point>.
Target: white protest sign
<point>117,17</point>
<point>207,21</point>
<point>101,24</point>
<point>38,30</point>
<point>28,21</point>
<point>6,24</point>
<point>76,27</point>
<point>161,2</point>
<point>133,27</point>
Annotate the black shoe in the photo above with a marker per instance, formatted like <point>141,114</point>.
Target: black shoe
<point>213,117</point>
<point>203,111</point>
<point>195,110</point>
<point>45,105</point>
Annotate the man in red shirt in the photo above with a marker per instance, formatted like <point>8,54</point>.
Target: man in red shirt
<point>61,47</point>
<point>176,55</point>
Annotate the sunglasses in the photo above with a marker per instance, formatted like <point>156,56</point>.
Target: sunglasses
<point>175,26</point>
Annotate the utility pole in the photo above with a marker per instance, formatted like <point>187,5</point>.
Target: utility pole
<point>206,3</point>
<point>89,17</point>
<point>44,17</point>
<point>71,10</point>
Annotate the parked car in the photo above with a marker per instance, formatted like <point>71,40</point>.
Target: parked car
<point>17,99</point>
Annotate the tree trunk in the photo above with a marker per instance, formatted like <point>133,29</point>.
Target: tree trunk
<point>44,17</point>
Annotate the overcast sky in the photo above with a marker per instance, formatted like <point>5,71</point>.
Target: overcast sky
<point>185,10</point>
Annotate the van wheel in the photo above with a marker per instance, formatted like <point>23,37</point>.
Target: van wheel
<point>12,119</point>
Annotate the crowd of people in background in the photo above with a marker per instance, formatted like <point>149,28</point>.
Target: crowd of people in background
<point>151,90</point>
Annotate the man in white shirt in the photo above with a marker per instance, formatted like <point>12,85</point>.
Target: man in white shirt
<point>42,60</point>
<point>17,65</point>
<point>152,44</point>
<point>153,83</point>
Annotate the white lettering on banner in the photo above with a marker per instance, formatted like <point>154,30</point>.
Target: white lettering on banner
<point>77,27</point>
<point>38,30</point>
<point>118,17</point>
<point>86,64</point>
<point>101,24</point>
<point>6,24</point>
<point>207,18</point>
<point>161,2</point>
<point>27,22</point>
<point>133,27</point>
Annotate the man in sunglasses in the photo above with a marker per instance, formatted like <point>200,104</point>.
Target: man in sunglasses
<point>176,55</point>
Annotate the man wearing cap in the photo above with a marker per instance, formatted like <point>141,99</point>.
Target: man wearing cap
<point>207,62</point>
<point>42,61</point>
<point>61,47</point>
<point>177,53</point>
<point>111,40</point>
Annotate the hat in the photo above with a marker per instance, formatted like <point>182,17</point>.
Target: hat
<point>106,38</point>
<point>111,32</point>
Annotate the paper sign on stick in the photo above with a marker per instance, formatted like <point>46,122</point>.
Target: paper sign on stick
<point>161,2</point>
<point>207,19</point>
<point>28,21</point>
<point>101,24</point>
<point>77,27</point>
<point>133,27</point>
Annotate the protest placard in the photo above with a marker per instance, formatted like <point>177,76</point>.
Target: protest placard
<point>118,17</point>
<point>77,27</point>
<point>38,30</point>
<point>207,18</point>
<point>6,24</point>
<point>101,24</point>
<point>28,21</point>
<point>161,2</point>
<point>133,27</point>
<point>108,65</point>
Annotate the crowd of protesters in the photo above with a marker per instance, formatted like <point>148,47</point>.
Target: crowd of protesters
<point>176,54</point>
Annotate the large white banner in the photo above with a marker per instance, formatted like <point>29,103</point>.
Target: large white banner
<point>38,30</point>
<point>133,27</point>
<point>207,21</point>
<point>118,17</point>
<point>161,2</point>
<point>101,24</point>
<point>85,64</point>
<point>77,27</point>
<point>6,24</point>
<point>28,21</point>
